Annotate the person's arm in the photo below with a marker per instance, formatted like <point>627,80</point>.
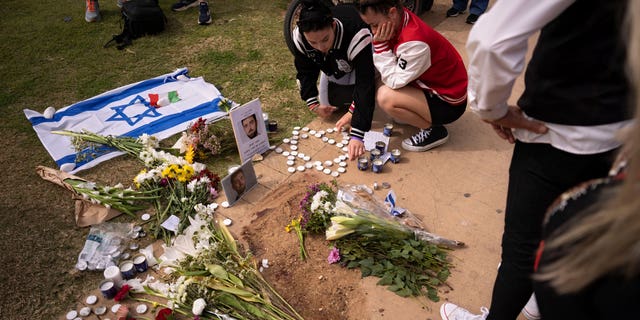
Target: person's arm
<point>497,46</point>
<point>410,61</point>
<point>307,75</point>
<point>364,91</point>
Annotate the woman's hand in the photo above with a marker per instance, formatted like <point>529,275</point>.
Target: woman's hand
<point>344,122</point>
<point>324,111</point>
<point>356,149</point>
<point>384,31</point>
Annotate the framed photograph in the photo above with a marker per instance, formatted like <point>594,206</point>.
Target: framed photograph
<point>249,129</point>
<point>239,181</point>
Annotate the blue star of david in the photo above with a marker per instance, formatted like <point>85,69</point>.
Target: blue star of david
<point>120,114</point>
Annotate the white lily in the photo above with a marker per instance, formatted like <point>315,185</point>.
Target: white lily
<point>337,230</point>
<point>171,256</point>
<point>184,243</point>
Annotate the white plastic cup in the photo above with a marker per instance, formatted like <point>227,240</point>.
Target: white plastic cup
<point>113,273</point>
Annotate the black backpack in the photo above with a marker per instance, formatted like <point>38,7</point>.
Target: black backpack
<point>140,17</point>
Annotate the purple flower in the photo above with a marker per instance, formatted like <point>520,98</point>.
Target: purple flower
<point>164,182</point>
<point>334,255</point>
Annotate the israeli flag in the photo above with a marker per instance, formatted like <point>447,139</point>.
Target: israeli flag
<point>161,106</point>
<point>390,201</point>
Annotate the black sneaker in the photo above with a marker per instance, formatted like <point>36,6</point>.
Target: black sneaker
<point>184,5</point>
<point>472,18</point>
<point>205,15</point>
<point>453,12</point>
<point>426,139</point>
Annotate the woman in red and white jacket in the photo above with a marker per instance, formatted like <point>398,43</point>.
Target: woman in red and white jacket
<point>423,75</point>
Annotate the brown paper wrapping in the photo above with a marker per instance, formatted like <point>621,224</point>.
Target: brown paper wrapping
<point>86,213</point>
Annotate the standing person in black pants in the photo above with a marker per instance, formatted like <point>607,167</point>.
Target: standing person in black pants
<point>563,127</point>
<point>588,265</point>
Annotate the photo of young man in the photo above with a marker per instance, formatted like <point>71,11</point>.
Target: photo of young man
<point>238,182</point>
<point>250,126</point>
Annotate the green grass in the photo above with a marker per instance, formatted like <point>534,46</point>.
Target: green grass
<point>51,57</point>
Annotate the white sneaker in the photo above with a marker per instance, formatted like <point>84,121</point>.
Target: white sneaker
<point>530,310</point>
<point>450,311</point>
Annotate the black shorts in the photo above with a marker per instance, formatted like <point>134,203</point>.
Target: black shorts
<point>341,96</point>
<point>443,112</point>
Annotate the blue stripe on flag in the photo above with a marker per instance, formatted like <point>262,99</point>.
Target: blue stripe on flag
<point>159,125</point>
<point>102,101</point>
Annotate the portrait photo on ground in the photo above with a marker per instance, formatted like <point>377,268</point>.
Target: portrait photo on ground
<point>239,181</point>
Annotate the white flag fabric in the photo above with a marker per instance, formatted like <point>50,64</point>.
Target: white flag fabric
<point>161,106</point>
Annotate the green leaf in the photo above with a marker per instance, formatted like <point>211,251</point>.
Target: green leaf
<point>365,271</point>
<point>432,294</point>
<point>404,292</point>
<point>368,262</point>
<point>394,288</point>
<point>399,281</point>
<point>386,280</point>
<point>377,269</point>
<point>443,275</point>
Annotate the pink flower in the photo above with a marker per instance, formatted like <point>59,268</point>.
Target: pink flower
<point>213,192</point>
<point>334,255</point>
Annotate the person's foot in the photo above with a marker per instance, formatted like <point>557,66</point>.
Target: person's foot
<point>119,3</point>
<point>184,5</point>
<point>426,139</point>
<point>450,311</point>
<point>530,310</point>
<point>472,18</point>
<point>453,12</point>
<point>205,15</point>
<point>92,11</point>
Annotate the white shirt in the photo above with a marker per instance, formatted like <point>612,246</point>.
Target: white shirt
<point>497,48</point>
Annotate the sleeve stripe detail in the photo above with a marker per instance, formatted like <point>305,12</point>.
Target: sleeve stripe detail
<point>360,41</point>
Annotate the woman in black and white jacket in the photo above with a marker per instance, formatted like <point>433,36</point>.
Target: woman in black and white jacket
<point>337,43</point>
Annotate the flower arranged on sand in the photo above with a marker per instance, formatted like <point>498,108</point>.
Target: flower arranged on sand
<point>297,228</point>
<point>376,243</point>
<point>317,207</point>
<point>334,255</point>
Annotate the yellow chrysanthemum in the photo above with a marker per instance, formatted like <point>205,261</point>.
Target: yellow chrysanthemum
<point>188,171</point>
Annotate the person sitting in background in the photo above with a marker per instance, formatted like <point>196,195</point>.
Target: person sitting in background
<point>337,43</point>
<point>92,9</point>
<point>423,75</point>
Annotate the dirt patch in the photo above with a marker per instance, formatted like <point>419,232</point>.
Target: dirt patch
<point>313,287</point>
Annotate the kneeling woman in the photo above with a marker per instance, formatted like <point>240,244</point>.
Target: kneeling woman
<point>337,43</point>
